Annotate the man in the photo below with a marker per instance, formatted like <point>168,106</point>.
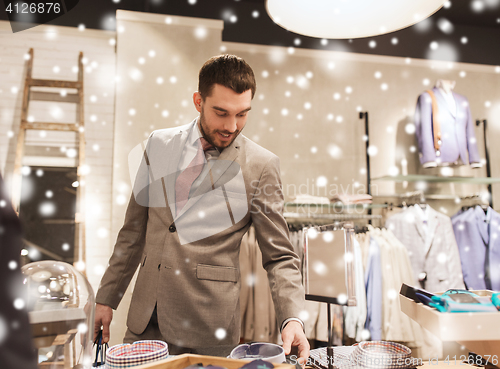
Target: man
<point>185,221</point>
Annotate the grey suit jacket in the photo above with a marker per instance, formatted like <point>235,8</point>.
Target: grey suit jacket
<point>189,263</point>
<point>457,130</point>
<point>478,237</point>
<point>434,253</point>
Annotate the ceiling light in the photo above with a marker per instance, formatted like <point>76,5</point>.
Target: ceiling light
<point>344,19</point>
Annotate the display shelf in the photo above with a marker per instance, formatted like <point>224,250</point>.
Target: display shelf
<point>476,331</point>
<point>437,179</point>
<point>340,217</point>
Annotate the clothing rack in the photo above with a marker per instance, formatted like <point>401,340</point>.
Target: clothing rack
<point>483,206</point>
<point>340,217</point>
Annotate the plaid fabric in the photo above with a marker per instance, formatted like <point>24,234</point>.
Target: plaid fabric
<point>319,357</point>
<point>380,355</point>
<point>366,355</point>
<point>141,352</point>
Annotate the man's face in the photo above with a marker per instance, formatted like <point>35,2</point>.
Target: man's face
<point>223,114</point>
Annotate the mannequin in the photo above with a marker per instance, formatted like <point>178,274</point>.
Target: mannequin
<point>444,128</point>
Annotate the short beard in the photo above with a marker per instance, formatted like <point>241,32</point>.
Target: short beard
<point>207,137</point>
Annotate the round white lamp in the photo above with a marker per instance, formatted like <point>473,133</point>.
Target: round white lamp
<point>345,19</point>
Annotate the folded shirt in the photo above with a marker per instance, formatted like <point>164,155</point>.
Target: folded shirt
<point>348,199</point>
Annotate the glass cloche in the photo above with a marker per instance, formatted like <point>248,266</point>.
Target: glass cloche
<point>60,304</point>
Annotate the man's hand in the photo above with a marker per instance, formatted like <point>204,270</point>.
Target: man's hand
<point>103,316</point>
<point>293,335</point>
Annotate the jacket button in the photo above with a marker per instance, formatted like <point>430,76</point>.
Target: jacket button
<point>172,228</point>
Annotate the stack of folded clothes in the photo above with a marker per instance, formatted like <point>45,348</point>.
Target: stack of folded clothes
<point>351,199</point>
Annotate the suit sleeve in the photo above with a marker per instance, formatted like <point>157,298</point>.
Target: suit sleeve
<point>423,129</point>
<point>278,257</point>
<point>471,138</point>
<point>129,244</point>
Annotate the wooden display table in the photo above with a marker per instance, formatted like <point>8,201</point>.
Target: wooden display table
<point>182,361</point>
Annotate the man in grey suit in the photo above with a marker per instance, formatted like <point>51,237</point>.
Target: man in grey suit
<point>198,189</point>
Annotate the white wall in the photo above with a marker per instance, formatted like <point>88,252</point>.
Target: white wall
<point>311,145</point>
<point>60,46</point>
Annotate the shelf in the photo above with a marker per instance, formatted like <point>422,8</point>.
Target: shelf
<point>473,330</point>
<point>340,217</point>
<point>429,178</point>
<point>334,206</point>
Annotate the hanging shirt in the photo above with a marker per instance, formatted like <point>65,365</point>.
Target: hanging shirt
<point>355,316</point>
<point>373,286</point>
<point>433,254</point>
<point>478,238</point>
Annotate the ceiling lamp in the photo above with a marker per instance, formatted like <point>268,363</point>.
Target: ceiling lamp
<point>340,19</point>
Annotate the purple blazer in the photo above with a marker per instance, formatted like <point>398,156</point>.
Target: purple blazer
<point>478,239</point>
<point>457,130</point>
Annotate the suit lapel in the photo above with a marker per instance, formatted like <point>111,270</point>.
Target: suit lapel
<point>178,142</point>
<point>418,222</point>
<point>432,224</point>
<point>218,168</point>
<point>444,102</point>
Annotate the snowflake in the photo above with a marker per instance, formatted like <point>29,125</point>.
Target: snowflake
<point>328,236</point>
<point>410,129</point>
<point>304,315</point>
<point>342,298</point>
<point>321,181</point>
<point>320,268</point>
<point>19,303</point>
<point>102,232</point>
<point>220,333</point>
<point>47,208</point>
<point>372,150</point>
<point>445,26</point>
<point>392,294</point>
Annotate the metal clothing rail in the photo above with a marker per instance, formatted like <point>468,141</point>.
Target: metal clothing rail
<point>330,216</point>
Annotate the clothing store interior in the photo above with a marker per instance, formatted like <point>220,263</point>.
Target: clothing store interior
<point>384,117</point>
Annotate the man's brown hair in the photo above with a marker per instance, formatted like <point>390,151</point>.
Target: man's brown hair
<point>227,70</point>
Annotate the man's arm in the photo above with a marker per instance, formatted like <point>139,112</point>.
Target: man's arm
<point>122,265</point>
<point>278,257</point>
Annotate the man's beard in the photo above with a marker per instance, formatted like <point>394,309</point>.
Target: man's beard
<point>210,136</point>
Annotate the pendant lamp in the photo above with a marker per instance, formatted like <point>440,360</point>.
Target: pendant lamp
<point>345,19</point>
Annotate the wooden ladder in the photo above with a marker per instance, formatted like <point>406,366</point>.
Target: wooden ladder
<point>78,127</point>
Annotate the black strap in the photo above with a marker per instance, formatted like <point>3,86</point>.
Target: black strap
<point>101,348</point>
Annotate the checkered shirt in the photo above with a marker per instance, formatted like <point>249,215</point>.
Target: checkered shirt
<point>129,355</point>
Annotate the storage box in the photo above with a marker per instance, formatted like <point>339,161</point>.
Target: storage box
<point>479,332</point>
<point>182,361</point>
